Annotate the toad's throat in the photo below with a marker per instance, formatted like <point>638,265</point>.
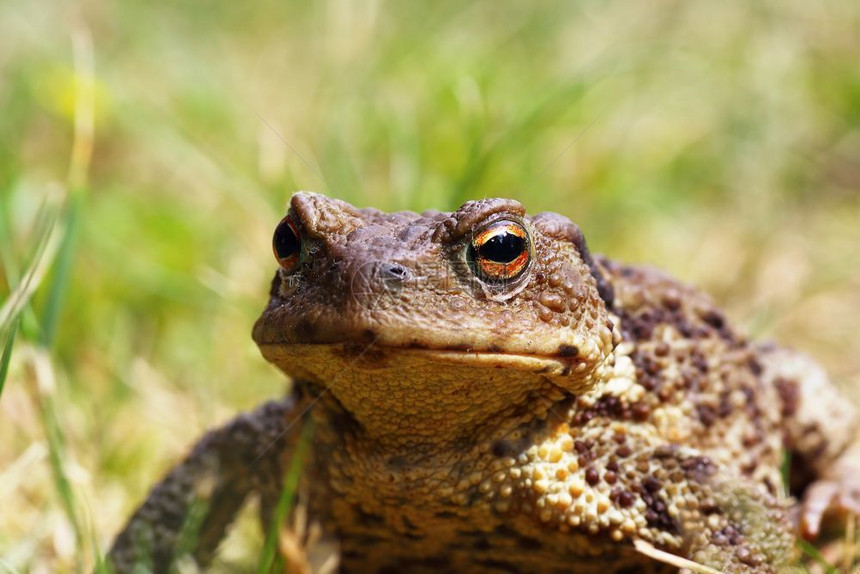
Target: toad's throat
<point>423,396</point>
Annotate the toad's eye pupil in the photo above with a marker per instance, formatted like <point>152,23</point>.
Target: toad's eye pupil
<point>500,251</point>
<point>503,247</point>
<point>287,243</point>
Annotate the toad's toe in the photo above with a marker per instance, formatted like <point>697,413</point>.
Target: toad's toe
<point>829,496</point>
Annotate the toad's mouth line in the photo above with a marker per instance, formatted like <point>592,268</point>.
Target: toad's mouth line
<point>366,356</point>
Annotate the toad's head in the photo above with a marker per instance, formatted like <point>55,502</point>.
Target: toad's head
<point>451,316</point>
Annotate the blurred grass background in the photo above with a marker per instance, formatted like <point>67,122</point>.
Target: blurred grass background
<point>718,140</point>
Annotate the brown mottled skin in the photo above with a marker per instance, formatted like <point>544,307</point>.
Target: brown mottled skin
<point>538,424</point>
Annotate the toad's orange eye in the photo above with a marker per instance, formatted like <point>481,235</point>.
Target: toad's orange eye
<point>287,244</point>
<point>500,251</point>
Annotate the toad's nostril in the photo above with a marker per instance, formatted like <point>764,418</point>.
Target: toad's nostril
<point>393,271</point>
<point>375,278</point>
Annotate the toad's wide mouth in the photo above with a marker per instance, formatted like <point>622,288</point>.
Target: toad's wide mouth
<point>301,358</point>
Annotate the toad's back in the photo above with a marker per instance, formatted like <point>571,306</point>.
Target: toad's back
<point>568,476</point>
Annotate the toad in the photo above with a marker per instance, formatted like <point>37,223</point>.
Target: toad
<point>487,396</point>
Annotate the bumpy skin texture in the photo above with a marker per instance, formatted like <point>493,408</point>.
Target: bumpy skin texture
<point>538,424</point>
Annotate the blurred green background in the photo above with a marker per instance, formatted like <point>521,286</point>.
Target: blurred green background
<point>718,140</point>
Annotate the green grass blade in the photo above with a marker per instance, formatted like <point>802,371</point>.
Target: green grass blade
<point>11,272</point>
<point>48,230</point>
<point>79,163</point>
<point>188,536</point>
<point>813,552</point>
<point>269,558</point>
<point>62,271</point>
<point>57,456</point>
<point>785,471</point>
<point>6,358</point>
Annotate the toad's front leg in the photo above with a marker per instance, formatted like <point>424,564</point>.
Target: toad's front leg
<point>620,485</point>
<point>241,458</point>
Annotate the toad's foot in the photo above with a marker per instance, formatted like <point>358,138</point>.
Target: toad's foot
<point>835,494</point>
